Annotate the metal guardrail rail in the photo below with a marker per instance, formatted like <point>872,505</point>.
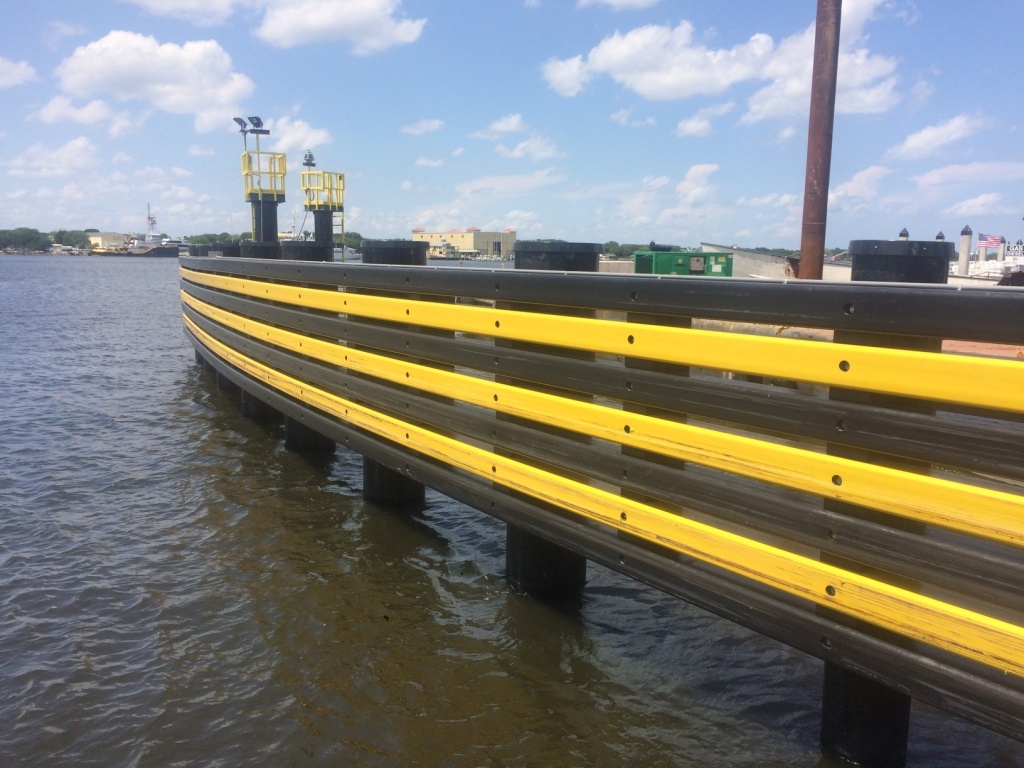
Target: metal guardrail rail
<point>860,502</point>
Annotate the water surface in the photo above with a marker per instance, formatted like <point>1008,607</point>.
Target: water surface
<point>177,589</point>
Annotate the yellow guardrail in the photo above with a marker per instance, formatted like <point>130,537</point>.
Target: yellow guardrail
<point>978,511</point>
<point>972,381</point>
<point>969,633</point>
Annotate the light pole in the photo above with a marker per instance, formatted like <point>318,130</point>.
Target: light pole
<point>264,201</point>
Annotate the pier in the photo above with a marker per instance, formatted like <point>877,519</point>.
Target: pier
<point>825,463</point>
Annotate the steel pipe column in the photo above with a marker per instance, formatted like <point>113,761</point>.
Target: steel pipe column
<point>819,138</point>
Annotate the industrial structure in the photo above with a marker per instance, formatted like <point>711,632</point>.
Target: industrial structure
<point>263,175</point>
<point>472,243</point>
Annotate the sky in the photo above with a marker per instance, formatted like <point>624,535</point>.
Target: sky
<point>583,120</point>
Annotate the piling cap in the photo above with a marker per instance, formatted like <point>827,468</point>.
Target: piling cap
<point>904,234</point>
<point>966,231</point>
<point>940,236</point>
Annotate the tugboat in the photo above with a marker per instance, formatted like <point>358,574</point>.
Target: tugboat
<point>151,244</point>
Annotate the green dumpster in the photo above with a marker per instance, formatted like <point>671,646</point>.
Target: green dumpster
<point>682,263</point>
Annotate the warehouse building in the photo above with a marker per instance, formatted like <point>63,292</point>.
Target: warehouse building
<point>472,243</point>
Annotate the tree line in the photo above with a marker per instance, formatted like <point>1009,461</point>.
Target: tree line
<point>351,240</point>
<point>28,239</point>
<point>25,238</point>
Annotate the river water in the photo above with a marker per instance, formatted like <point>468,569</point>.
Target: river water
<point>177,589</point>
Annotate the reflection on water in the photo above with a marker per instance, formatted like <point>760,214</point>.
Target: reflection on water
<point>177,589</point>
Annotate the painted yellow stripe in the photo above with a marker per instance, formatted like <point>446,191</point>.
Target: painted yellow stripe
<point>975,381</point>
<point>978,511</point>
<point>991,641</point>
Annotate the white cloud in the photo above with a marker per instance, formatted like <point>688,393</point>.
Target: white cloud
<point>929,140</point>
<point>370,26</point>
<point>566,77</point>
<point>509,186</point>
<point>501,127</point>
<point>862,187</point>
<point>427,162</point>
<point>661,63</point>
<point>666,63</point>
<point>14,73</point>
<point>982,205</point>
<point>190,79</point>
<point>696,187</point>
<point>60,110</point>
<point>202,12</point>
<point>866,83</point>
<point>123,123</point>
<point>700,124</point>
<point>785,134</point>
<point>619,5</point>
<point>197,151</point>
<point>920,94</point>
<point>536,148</point>
<point>625,117</point>
<point>696,195</point>
<point>772,200</point>
<point>639,207</point>
<point>57,31</point>
<point>423,126</point>
<point>296,135</point>
<point>40,160</point>
<point>971,172</point>
<point>518,219</point>
<point>457,152</point>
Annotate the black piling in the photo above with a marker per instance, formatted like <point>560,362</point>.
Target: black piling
<point>264,218</point>
<point>224,384</point>
<point>323,227</point>
<point>255,409</point>
<point>253,250</point>
<point>306,250</point>
<point>384,485</point>
<point>300,438</point>
<point>863,721</point>
<point>532,564</point>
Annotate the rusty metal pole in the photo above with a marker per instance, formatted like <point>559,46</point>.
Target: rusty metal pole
<point>819,138</point>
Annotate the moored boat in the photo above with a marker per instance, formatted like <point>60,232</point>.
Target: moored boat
<point>151,245</point>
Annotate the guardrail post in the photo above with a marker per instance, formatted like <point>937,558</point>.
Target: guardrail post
<point>298,437</point>
<point>381,484</point>
<point>862,720</point>
<point>533,564</point>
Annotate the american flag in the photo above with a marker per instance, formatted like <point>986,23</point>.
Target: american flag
<point>989,241</point>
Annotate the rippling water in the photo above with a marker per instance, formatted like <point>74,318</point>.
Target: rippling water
<point>177,589</point>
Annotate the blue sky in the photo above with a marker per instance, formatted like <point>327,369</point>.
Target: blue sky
<point>585,120</point>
